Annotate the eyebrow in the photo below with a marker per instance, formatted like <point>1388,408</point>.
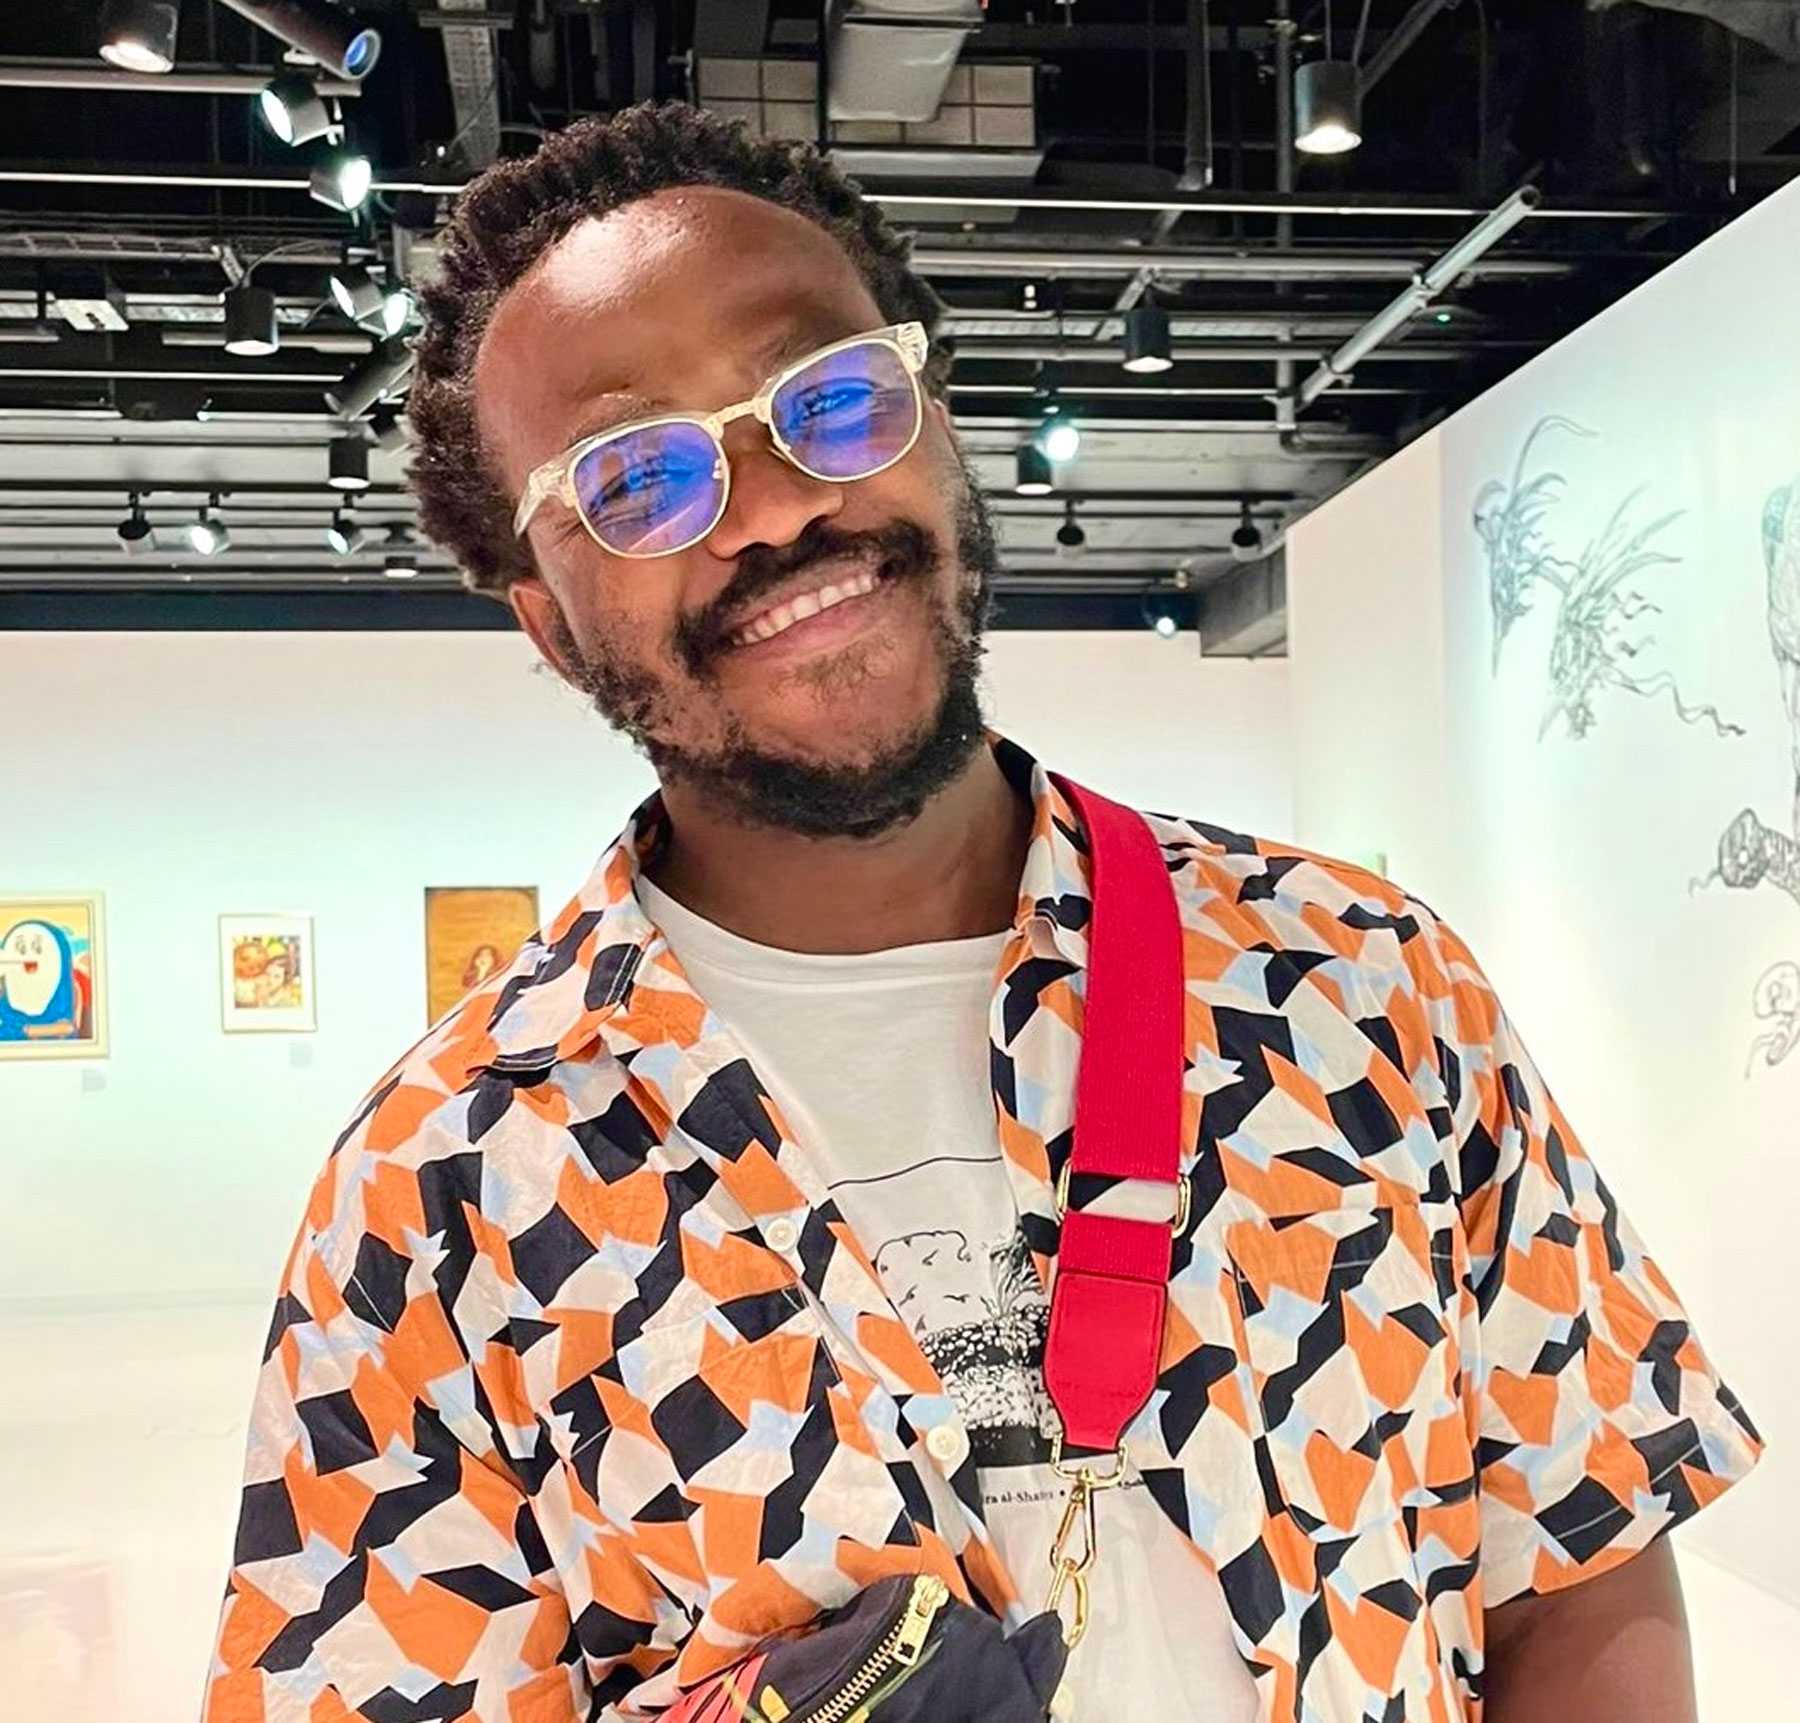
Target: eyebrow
<point>618,407</point>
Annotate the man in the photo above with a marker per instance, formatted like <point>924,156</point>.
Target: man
<point>691,1275</point>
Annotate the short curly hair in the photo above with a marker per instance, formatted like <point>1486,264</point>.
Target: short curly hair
<point>517,210</point>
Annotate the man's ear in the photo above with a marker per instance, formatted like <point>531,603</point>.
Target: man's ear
<point>535,608</point>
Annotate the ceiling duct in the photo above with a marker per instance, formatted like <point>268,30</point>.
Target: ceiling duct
<point>471,59</point>
<point>892,59</point>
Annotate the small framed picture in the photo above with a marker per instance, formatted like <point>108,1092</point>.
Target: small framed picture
<point>471,933</point>
<point>266,974</point>
<point>52,978</point>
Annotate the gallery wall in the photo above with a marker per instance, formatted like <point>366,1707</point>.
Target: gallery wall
<point>1548,663</point>
<point>151,1195</point>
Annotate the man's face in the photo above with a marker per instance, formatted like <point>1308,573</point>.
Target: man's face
<point>688,301</point>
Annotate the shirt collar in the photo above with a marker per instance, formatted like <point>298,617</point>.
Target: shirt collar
<point>577,972</point>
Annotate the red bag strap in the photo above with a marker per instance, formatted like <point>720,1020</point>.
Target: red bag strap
<point>1110,1292</point>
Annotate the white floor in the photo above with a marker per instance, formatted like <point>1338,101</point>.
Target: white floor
<point>120,1439</point>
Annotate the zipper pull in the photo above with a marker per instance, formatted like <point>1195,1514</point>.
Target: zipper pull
<point>929,1594</point>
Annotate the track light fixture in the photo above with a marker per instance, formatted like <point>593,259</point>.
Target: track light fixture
<point>355,292</point>
<point>1246,541</point>
<point>400,559</point>
<point>1033,478</point>
<point>293,109</point>
<point>385,369</point>
<point>250,327</point>
<point>386,431</point>
<point>341,179</point>
<point>1060,439</point>
<point>139,35</point>
<point>326,33</point>
<point>1327,107</point>
<point>134,529</point>
<point>396,311</point>
<point>343,534</point>
<point>1070,539</point>
<point>1164,612</point>
<point>349,469</point>
<point>206,533</point>
<point>1147,339</point>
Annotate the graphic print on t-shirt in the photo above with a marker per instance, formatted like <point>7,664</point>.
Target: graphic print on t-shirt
<point>979,1314</point>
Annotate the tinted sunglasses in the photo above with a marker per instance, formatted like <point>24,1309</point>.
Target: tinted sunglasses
<point>656,486</point>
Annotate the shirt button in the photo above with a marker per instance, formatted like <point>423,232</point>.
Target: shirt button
<point>782,1235</point>
<point>948,1444</point>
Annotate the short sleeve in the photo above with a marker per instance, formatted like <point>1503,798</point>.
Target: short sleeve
<point>1600,1420</point>
<point>402,1555</point>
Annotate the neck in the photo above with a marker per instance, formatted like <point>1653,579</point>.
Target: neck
<point>953,873</point>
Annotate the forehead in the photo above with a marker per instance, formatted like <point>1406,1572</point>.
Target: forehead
<point>668,298</point>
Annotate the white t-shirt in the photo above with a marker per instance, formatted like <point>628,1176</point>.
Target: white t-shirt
<point>880,1063</point>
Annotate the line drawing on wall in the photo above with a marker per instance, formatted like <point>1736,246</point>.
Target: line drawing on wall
<point>1591,648</point>
<point>1777,1000</point>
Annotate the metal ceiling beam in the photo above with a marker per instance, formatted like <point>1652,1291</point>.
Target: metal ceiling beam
<point>1215,266</point>
<point>1223,351</point>
<point>1399,39</point>
<point>43,73</point>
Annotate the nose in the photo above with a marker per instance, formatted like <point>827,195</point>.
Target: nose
<point>772,501</point>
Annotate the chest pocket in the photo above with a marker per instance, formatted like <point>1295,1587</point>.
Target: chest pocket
<point>1355,1363</point>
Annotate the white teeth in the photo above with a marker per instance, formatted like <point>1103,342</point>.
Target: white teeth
<point>782,617</point>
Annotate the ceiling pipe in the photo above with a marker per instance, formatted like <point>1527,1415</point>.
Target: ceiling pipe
<point>1399,39</point>
<point>1283,24</point>
<point>1455,262</point>
<point>1212,353</point>
<point>1221,266</point>
<point>60,75</point>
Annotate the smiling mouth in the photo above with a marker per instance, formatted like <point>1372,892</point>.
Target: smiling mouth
<point>779,618</point>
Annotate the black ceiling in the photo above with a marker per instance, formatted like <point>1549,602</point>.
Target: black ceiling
<point>1640,129</point>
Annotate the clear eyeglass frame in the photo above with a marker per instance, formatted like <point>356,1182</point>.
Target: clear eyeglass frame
<point>555,478</point>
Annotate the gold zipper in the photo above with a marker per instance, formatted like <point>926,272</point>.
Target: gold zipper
<point>899,1649</point>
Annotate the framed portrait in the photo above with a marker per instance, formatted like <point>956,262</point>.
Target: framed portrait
<point>52,978</point>
<point>471,933</point>
<point>266,974</point>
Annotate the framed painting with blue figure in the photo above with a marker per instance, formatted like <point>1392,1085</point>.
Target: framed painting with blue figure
<point>52,978</point>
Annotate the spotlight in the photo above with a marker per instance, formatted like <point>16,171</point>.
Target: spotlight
<point>395,312</point>
<point>1060,439</point>
<point>206,533</point>
<point>1070,539</point>
<point>386,431</point>
<point>1164,612</point>
<point>349,464</point>
<point>378,375</point>
<point>1033,472</point>
<point>250,320</point>
<point>134,529</point>
<point>355,292</point>
<point>400,561</point>
<point>324,32</point>
<point>1147,339</point>
<point>1246,541</point>
<point>293,110</point>
<point>139,35</point>
<point>343,535</point>
<point>1327,107</point>
<point>342,180</point>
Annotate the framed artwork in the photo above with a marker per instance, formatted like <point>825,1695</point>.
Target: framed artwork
<point>472,932</point>
<point>266,973</point>
<point>52,978</point>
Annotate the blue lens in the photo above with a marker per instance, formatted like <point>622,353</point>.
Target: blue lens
<point>654,490</point>
<point>849,414</point>
<point>360,56</point>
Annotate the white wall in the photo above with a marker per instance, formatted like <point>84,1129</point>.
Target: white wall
<point>1568,862</point>
<point>150,1197</point>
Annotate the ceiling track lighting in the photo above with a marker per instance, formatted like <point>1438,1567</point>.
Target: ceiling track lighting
<point>1060,439</point>
<point>1070,539</point>
<point>1033,472</point>
<point>206,533</point>
<point>250,327</point>
<point>1327,107</point>
<point>328,34</point>
<point>1246,540</point>
<point>1147,339</point>
<point>341,179</point>
<point>1165,613</point>
<point>349,466</point>
<point>387,430</point>
<point>139,35</point>
<point>355,292</point>
<point>343,535</point>
<point>294,110</point>
<point>134,530</point>
<point>400,557</point>
<point>378,376</point>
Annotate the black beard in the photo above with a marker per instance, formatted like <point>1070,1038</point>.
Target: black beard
<point>776,790</point>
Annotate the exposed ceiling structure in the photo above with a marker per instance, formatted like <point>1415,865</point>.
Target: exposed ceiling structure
<point>1065,166</point>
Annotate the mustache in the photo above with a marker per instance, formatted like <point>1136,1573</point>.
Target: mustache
<point>899,550</point>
